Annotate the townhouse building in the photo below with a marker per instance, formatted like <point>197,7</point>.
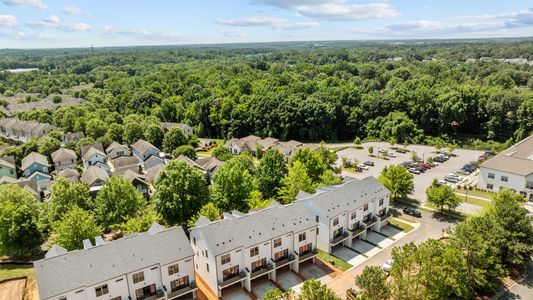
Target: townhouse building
<point>22,131</point>
<point>347,211</point>
<point>64,159</point>
<point>157,264</point>
<point>241,248</point>
<point>511,169</point>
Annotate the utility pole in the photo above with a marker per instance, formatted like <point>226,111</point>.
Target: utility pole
<point>92,49</point>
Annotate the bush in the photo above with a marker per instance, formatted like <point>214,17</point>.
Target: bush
<point>57,99</point>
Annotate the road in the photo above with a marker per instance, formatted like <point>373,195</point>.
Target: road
<point>523,289</point>
<point>430,227</point>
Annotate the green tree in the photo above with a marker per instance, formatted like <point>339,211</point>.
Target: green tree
<point>48,146</point>
<point>270,172</point>
<point>20,234</point>
<point>398,180</point>
<point>295,181</point>
<point>327,156</point>
<point>275,294</point>
<point>95,128</point>
<point>312,161</point>
<point>75,226</point>
<point>373,283</point>
<point>222,153</point>
<point>142,222</point>
<point>174,138</point>
<point>133,132</point>
<point>357,141</point>
<point>371,151</point>
<point>208,210</point>
<point>233,184</point>
<point>116,132</point>
<point>154,135</point>
<point>117,201</point>
<point>441,196</point>
<point>185,150</point>
<point>181,192</point>
<point>313,289</point>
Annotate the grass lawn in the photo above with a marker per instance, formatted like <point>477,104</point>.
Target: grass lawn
<point>481,194</point>
<point>11,271</point>
<point>334,261</point>
<point>400,225</point>
<point>337,149</point>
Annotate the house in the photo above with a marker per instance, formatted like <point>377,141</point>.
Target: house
<point>73,137</point>
<point>153,174</point>
<point>244,247</point>
<point>157,264</point>
<point>210,165</point>
<point>289,148</point>
<point>185,127</point>
<point>94,156</point>
<point>71,174</point>
<point>26,184</point>
<point>147,153</point>
<point>248,143</point>
<point>116,150</point>
<point>138,181</point>
<point>153,161</point>
<point>124,163</point>
<point>268,143</point>
<point>64,159</point>
<point>348,211</point>
<point>190,162</point>
<point>34,162</point>
<point>14,129</point>
<point>8,167</point>
<point>511,169</point>
<point>94,177</point>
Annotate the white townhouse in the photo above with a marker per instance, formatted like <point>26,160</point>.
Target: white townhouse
<point>243,247</point>
<point>157,264</point>
<point>511,169</point>
<point>347,211</point>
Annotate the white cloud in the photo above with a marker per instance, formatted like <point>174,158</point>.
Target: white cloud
<point>29,3</point>
<point>8,21</point>
<point>72,10</point>
<point>335,10</point>
<point>54,22</point>
<point>299,25</point>
<point>52,19</point>
<point>76,27</point>
<point>233,32</point>
<point>275,23</point>
<point>111,31</point>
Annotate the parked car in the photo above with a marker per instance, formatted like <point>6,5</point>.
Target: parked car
<point>369,163</point>
<point>469,168</point>
<point>414,171</point>
<point>439,159</point>
<point>463,171</point>
<point>351,294</point>
<point>387,266</point>
<point>441,182</point>
<point>411,211</point>
<point>381,150</point>
<point>423,165</point>
<point>443,156</point>
<point>456,176</point>
<point>419,168</point>
<point>400,150</point>
<point>391,154</point>
<point>362,166</point>
<point>451,179</point>
<point>433,164</point>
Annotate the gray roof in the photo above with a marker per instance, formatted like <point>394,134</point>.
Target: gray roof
<point>190,162</point>
<point>517,159</point>
<point>114,145</point>
<point>68,173</point>
<point>142,146</point>
<point>159,160</point>
<point>80,268</point>
<point>34,157</point>
<point>255,227</point>
<point>8,161</point>
<point>92,174</point>
<point>63,154</point>
<point>70,136</point>
<point>86,148</point>
<point>125,161</point>
<point>332,200</point>
<point>210,164</point>
<point>91,152</point>
<point>152,174</point>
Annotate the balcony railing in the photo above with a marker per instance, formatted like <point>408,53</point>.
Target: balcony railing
<point>283,261</point>
<point>385,216</point>
<point>339,238</point>
<point>182,291</point>
<point>371,222</point>
<point>158,295</point>
<point>357,230</point>
<point>260,271</point>
<point>231,280</point>
<point>307,255</point>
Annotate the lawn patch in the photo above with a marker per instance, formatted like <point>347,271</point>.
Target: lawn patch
<point>333,261</point>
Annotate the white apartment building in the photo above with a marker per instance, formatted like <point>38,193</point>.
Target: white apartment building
<point>347,211</point>
<point>511,169</point>
<point>243,247</point>
<point>157,264</point>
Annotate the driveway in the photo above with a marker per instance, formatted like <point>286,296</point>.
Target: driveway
<point>261,286</point>
<point>523,289</point>
<point>348,255</point>
<point>364,248</point>
<point>235,293</point>
<point>378,239</point>
<point>288,279</point>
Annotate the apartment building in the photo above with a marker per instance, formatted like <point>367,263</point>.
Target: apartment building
<point>157,264</point>
<point>347,211</point>
<point>243,247</point>
<point>511,169</point>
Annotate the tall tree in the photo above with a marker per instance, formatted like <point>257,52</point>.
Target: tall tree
<point>313,289</point>
<point>295,181</point>
<point>233,184</point>
<point>373,283</point>
<point>154,135</point>
<point>312,161</point>
<point>398,180</point>
<point>208,210</point>
<point>270,172</point>
<point>75,226</point>
<point>441,196</point>
<point>174,138</point>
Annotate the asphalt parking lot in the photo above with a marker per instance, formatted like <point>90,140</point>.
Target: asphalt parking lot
<point>421,181</point>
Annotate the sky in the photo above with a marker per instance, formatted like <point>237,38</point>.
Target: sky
<point>82,23</point>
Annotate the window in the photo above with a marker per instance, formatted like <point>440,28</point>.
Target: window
<point>173,269</point>
<point>207,267</point>
<point>101,290</point>
<point>224,259</point>
<point>505,178</point>
<point>301,237</point>
<point>281,255</point>
<point>529,185</point>
<point>365,207</point>
<point>138,277</point>
<point>335,221</point>
<point>258,264</point>
<point>490,186</point>
<point>179,283</point>
<point>230,273</point>
<point>353,216</point>
<point>380,202</point>
<point>304,249</point>
<point>254,251</point>
<point>116,298</point>
<point>491,175</point>
<point>145,292</point>
<point>277,243</point>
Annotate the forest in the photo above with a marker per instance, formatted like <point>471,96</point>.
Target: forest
<point>459,92</point>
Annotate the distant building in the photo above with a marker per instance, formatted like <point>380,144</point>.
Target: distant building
<point>116,150</point>
<point>185,127</point>
<point>157,264</point>
<point>148,154</point>
<point>511,169</point>
<point>64,159</point>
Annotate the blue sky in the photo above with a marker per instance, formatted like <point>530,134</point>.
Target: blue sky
<point>70,23</point>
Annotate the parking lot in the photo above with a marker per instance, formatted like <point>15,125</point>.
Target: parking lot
<point>421,181</point>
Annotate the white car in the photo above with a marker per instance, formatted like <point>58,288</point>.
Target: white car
<point>391,154</point>
<point>387,266</point>
<point>362,166</point>
<point>459,178</point>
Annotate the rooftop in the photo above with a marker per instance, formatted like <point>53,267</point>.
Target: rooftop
<point>517,159</point>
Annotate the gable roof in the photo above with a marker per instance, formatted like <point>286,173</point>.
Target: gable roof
<point>33,157</point>
<point>210,164</point>
<point>86,148</point>
<point>63,154</point>
<point>125,161</point>
<point>8,161</point>
<point>268,143</point>
<point>92,174</point>
<point>517,159</point>
<point>114,145</point>
<point>70,136</point>
<point>152,174</point>
<point>159,160</point>
<point>68,173</point>
<point>92,151</point>
<point>190,162</point>
<point>142,146</point>
<point>66,271</point>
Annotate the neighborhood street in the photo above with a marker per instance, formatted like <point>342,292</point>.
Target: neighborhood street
<point>523,289</point>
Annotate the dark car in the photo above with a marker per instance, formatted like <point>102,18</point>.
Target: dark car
<point>369,163</point>
<point>351,294</point>
<point>421,169</point>
<point>469,168</point>
<point>412,212</point>
<point>439,159</point>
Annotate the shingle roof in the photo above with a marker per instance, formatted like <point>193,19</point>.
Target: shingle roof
<point>268,143</point>
<point>152,174</point>
<point>125,161</point>
<point>114,145</point>
<point>210,164</point>
<point>142,146</point>
<point>517,159</point>
<point>80,268</point>
<point>70,136</point>
<point>34,157</point>
<point>66,173</point>
<point>92,174</point>
<point>91,152</point>
<point>8,161</point>
<point>255,227</point>
<point>63,154</point>
<point>190,162</point>
<point>86,148</point>
<point>159,160</point>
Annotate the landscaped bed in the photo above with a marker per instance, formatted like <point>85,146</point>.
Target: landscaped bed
<point>333,261</point>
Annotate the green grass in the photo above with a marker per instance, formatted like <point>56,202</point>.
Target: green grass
<point>334,261</point>
<point>477,193</point>
<point>12,271</point>
<point>400,225</point>
<point>337,149</point>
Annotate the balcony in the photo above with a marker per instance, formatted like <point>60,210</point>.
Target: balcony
<point>307,255</point>
<point>229,281</point>
<point>339,238</point>
<point>261,271</point>
<point>385,216</point>
<point>357,230</point>
<point>182,291</point>
<point>371,222</point>
<point>158,295</point>
<point>283,261</point>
